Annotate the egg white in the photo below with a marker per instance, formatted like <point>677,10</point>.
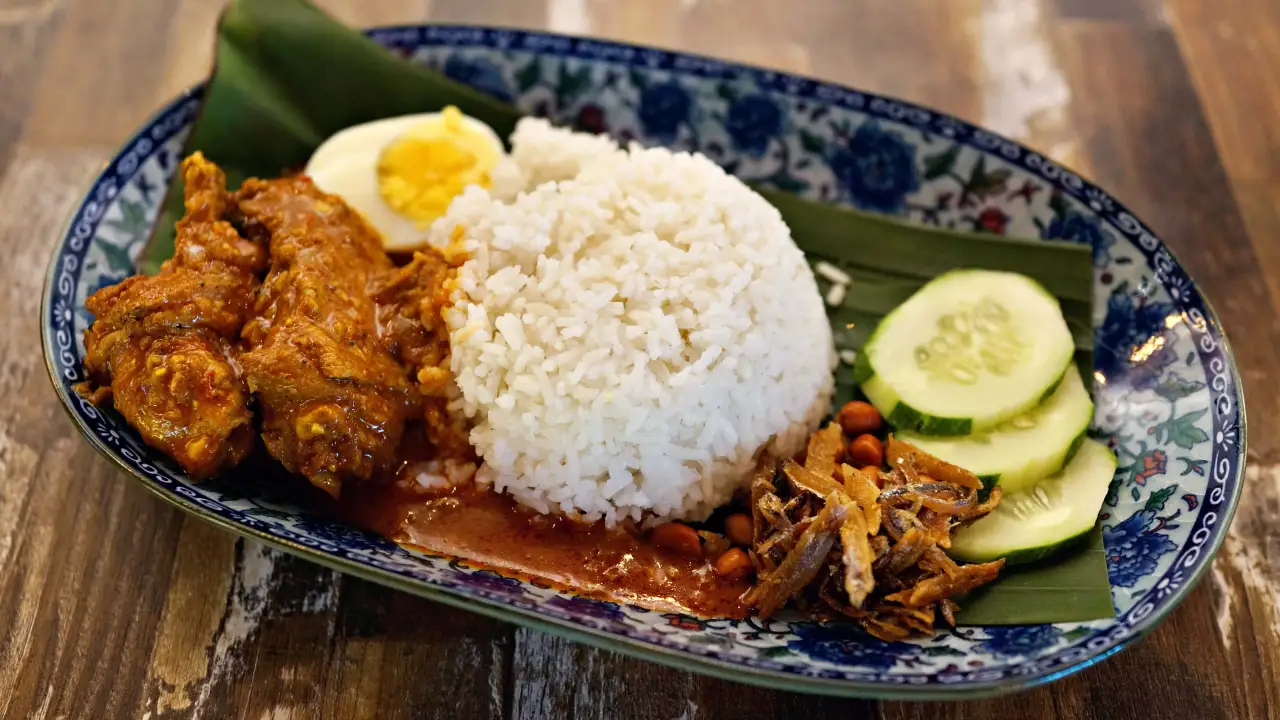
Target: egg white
<point>346,165</point>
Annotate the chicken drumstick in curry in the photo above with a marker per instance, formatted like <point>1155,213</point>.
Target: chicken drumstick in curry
<point>161,345</point>
<point>332,398</point>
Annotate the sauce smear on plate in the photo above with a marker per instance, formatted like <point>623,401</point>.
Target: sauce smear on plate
<point>489,530</point>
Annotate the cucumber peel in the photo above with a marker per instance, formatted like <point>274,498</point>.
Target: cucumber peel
<point>1044,519</point>
<point>1023,450</point>
<point>968,351</point>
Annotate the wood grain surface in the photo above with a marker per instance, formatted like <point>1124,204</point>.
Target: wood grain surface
<point>115,605</point>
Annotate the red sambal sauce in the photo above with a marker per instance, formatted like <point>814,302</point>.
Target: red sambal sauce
<point>487,529</point>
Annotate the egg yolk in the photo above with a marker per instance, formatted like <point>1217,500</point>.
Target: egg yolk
<point>420,172</point>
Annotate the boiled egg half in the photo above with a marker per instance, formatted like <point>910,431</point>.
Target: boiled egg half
<point>401,173</point>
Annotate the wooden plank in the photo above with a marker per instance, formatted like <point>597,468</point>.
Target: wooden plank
<point>195,603</point>
<point>25,30</point>
<point>1024,90</point>
<point>758,32</point>
<point>271,656</point>
<point>267,601</point>
<point>916,49</point>
<point>1257,200</point>
<point>1233,52</point>
<point>1040,703</point>
<point>1130,12</point>
<point>1246,583</point>
<point>923,51</point>
<point>188,54</point>
<point>554,677</point>
<point>72,645</point>
<point>412,658</point>
<point>364,13</point>
<point>523,14</point>
<point>97,99</point>
<point>270,635</point>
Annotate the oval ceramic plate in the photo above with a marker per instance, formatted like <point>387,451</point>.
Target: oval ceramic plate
<point>1168,393</point>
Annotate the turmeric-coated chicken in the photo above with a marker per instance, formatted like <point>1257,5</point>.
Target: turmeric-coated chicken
<point>161,346</point>
<point>410,300</point>
<point>332,398</point>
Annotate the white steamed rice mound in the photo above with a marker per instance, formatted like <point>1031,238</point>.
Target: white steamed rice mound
<point>542,153</point>
<point>628,337</point>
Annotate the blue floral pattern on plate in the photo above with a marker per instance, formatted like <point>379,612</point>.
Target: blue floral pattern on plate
<point>663,110</point>
<point>1168,394</point>
<point>1021,640</point>
<point>876,169</point>
<point>752,122</point>
<point>842,643</point>
<point>480,73</point>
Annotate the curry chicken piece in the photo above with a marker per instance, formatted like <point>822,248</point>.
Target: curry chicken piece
<point>333,400</point>
<point>161,346</point>
<point>410,302</point>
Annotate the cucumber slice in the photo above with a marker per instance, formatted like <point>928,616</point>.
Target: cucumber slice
<point>1023,450</point>
<point>971,349</point>
<point>1031,525</point>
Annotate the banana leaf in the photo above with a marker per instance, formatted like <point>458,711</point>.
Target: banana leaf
<point>287,76</point>
<point>1068,583</point>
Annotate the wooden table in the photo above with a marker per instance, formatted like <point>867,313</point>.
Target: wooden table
<point>115,605</point>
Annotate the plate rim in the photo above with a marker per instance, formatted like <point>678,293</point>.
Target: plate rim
<point>623,643</point>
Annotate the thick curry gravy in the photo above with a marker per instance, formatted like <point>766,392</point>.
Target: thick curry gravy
<point>487,529</point>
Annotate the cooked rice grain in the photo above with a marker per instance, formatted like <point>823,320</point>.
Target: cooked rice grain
<point>627,341</point>
<point>542,153</point>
